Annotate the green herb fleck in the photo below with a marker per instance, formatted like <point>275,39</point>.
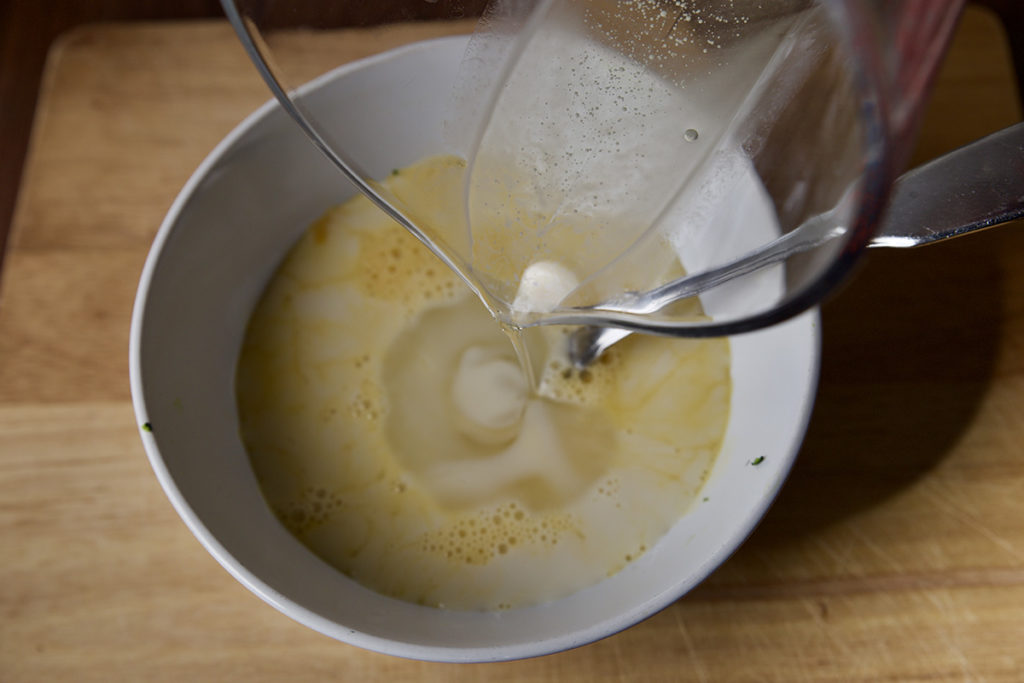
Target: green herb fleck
<point>758,460</point>
<point>146,427</point>
<point>394,171</point>
<point>706,499</point>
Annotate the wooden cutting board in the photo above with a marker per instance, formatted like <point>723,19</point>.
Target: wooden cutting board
<point>895,551</point>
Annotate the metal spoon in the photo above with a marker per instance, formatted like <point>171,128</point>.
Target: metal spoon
<point>972,188</point>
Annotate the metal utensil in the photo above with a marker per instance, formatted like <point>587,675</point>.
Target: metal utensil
<point>978,186</point>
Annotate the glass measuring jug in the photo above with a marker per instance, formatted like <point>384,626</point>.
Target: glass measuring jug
<point>805,113</point>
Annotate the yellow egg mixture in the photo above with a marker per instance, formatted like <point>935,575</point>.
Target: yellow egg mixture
<point>393,433</point>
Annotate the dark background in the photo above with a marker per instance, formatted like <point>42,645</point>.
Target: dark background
<point>29,27</point>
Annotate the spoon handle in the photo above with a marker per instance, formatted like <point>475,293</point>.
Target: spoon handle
<point>971,188</point>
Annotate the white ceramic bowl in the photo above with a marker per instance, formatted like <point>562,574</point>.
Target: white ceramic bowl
<point>226,233</point>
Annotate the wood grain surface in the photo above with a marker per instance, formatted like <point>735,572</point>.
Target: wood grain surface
<point>894,553</point>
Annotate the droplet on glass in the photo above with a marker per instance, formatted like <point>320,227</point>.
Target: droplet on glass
<point>690,135</point>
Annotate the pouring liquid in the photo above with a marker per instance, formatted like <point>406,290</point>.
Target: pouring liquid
<point>389,427</point>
